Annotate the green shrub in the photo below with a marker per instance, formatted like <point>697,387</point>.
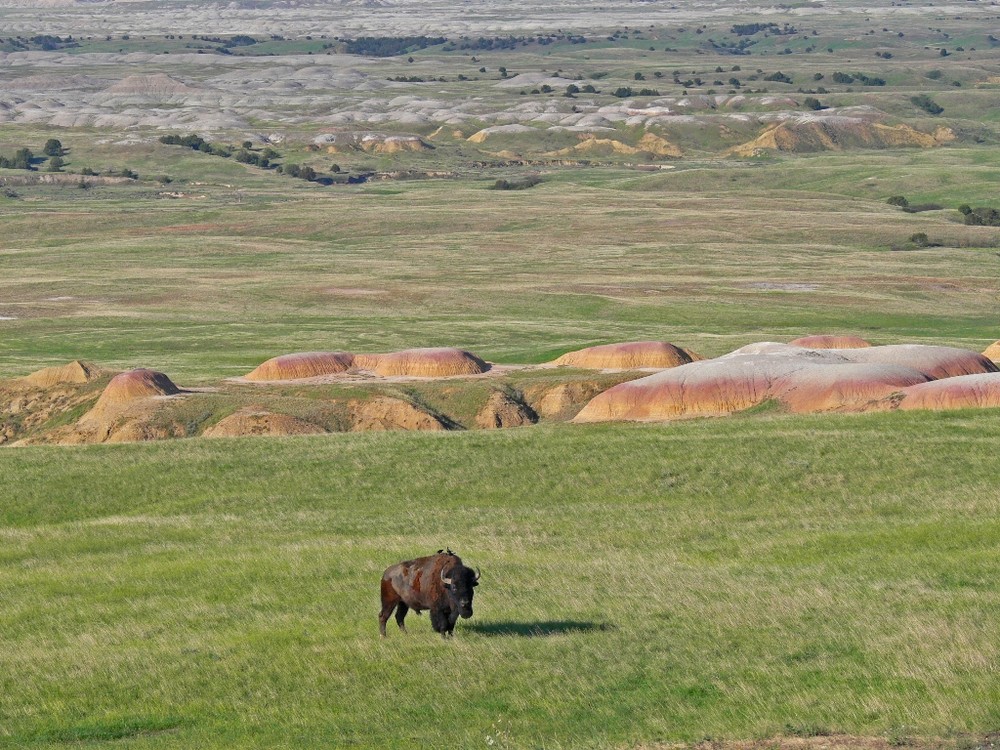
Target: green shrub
<point>927,104</point>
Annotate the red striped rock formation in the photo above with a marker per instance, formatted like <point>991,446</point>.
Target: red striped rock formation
<point>626,356</point>
<point>993,352</point>
<point>121,412</point>
<point>936,362</point>
<point>302,365</point>
<point>423,363</point>
<point>826,341</point>
<point>802,380</point>
<point>135,384</point>
<point>963,392</point>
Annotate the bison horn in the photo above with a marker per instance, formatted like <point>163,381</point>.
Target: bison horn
<point>444,580</point>
<point>477,574</point>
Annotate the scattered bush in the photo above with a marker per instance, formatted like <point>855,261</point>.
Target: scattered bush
<point>898,200</point>
<point>982,217</point>
<point>927,104</point>
<point>522,184</point>
<point>778,76</point>
<point>21,160</point>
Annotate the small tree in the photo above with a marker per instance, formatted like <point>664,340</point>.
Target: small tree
<point>811,102</point>
<point>56,164</point>
<point>53,147</point>
<point>898,200</point>
<point>22,159</point>
<point>920,239</point>
<point>927,104</point>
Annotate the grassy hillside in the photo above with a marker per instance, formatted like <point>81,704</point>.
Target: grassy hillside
<point>711,255</point>
<point>729,578</point>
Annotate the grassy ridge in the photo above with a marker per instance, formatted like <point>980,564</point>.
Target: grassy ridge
<point>733,578</point>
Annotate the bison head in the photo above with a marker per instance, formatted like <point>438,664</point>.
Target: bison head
<point>459,583</point>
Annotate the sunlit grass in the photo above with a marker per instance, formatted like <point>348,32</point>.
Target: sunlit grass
<point>720,577</point>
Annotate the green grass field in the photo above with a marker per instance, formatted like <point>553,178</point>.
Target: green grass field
<point>767,578</point>
<point>727,578</point>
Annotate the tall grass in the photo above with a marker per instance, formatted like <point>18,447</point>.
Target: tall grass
<point>725,578</point>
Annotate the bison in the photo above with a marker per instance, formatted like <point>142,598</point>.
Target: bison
<point>440,583</point>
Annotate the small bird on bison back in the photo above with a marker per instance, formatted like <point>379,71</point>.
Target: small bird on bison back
<point>439,583</point>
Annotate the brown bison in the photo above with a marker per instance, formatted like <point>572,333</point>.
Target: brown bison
<point>440,583</point>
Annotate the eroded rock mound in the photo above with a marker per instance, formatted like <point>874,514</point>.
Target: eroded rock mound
<point>122,412</point>
<point>386,413</point>
<point>992,352</point>
<point>799,379</point>
<point>76,371</point>
<point>810,133</point>
<point>564,399</point>
<point>826,341</point>
<point>626,356</point>
<point>936,362</point>
<point>423,363</point>
<point>963,392</point>
<point>136,384</point>
<point>247,422</point>
<point>505,410</point>
<point>302,365</point>
<point>373,143</point>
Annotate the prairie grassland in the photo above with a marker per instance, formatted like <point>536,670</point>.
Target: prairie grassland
<point>710,255</point>
<point>728,578</point>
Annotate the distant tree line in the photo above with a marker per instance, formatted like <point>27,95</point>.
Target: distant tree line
<point>243,154</point>
<point>865,80</point>
<point>749,29</point>
<point>44,42</point>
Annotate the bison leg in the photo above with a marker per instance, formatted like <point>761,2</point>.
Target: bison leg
<point>389,601</point>
<point>401,611</point>
<point>439,620</point>
<point>452,619</point>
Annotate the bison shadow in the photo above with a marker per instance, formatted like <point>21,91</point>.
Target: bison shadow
<point>537,629</point>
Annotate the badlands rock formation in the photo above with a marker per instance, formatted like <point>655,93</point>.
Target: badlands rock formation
<point>626,356</point>
<point>963,392</point>
<point>386,413</point>
<point>121,412</point>
<point>505,410</point>
<point>76,371</point>
<point>302,365</point>
<point>255,421</point>
<point>801,380</point>
<point>993,351</point>
<point>423,363</point>
<point>827,341</point>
